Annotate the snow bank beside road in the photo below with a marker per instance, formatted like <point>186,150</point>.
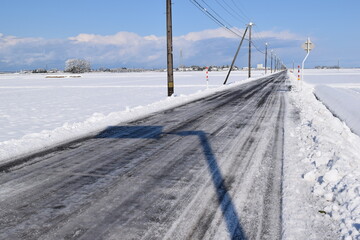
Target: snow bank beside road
<point>322,164</point>
<point>345,103</point>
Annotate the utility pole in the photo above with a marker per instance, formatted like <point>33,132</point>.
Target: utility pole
<point>275,59</point>
<point>271,61</point>
<point>170,67</point>
<point>181,60</point>
<point>278,64</point>
<point>266,48</point>
<point>250,26</point>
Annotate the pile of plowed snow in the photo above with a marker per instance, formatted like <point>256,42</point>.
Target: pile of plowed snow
<point>321,170</point>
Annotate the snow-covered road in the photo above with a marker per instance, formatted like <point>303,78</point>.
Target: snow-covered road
<point>210,169</point>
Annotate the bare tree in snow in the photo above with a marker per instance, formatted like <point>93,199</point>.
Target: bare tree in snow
<point>77,66</point>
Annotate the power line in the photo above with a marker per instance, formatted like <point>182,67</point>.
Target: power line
<point>231,14</point>
<point>228,24</point>
<point>260,51</point>
<point>260,36</point>
<point>218,21</point>
<point>230,11</point>
<point>238,13</point>
<point>212,17</point>
<point>239,8</point>
<point>216,17</point>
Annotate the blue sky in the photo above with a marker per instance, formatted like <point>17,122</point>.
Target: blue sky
<point>129,33</point>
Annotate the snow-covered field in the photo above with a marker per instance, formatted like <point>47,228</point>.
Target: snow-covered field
<point>339,90</point>
<point>36,111</point>
<point>322,154</point>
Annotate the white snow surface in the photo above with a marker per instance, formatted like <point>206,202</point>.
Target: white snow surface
<point>321,172</point>
<point>321,190</point>
<point>37,111</point>
<point>339,90</point>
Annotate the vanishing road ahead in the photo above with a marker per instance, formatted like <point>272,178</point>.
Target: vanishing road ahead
<point>211,169</point>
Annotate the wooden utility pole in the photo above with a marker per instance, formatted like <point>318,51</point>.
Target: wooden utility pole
<point>250,26</point>
<point>266,48</point>
<point>170,65</point>
<point>293,66</point>
<point>271,61</point>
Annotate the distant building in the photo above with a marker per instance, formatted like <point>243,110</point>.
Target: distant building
<point>260,67</point>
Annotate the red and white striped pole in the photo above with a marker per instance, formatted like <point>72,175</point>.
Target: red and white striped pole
<point>207,77</point>
<point>299,73</point>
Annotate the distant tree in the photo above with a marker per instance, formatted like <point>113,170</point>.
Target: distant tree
<point>103,69</point>
<point>77,66</point>
<point>197,68</point>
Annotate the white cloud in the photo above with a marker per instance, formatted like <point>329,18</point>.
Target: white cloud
<point>119,39</point>
<point>223,33</point>
<point>212,46</point>
<point>283,35</point>
<point>209,34</point>
<point>6,41</point>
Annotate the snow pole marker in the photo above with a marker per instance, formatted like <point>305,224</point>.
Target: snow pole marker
<point>207,77</point>
<point>299,78</point>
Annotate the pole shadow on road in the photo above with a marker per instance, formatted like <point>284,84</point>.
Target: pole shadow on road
<point>131,132</point>
<point>224,199</point>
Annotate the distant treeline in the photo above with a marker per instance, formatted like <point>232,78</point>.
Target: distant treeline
<point>327,67</point>
<point>124,69</point>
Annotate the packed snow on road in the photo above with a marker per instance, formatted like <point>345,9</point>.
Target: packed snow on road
<point>322,149</point>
